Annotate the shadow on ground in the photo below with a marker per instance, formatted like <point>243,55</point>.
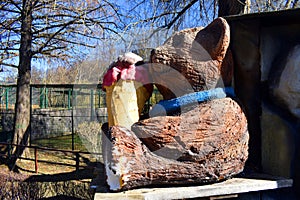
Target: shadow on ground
<point>67,185</point>
<point>61,197</point>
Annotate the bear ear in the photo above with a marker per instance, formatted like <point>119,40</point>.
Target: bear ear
<point>215,38</point>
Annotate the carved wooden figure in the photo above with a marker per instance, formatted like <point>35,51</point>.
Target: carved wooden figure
<point>203,139</point>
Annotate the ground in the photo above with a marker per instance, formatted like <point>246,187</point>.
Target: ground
<point>56,177</point>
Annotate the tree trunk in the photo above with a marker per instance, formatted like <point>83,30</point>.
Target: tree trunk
<point>22,108</point>
<point>233,7</point>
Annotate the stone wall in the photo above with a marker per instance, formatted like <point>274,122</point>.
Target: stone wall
<point>47,123</point>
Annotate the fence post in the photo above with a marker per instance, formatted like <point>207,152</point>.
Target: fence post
<point>99,98</point>
<point>69,98</point>
<point>35,160</point>
<point>46,97</point>
<point>77,161</point>
<point>92,104</point>
<point>30,115</point>
<point>42,97</point>
<point>6,98</point>
<point>74,99</point>
<point>9,149</point>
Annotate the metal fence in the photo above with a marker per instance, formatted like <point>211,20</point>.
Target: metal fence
<point>56,96</point>
<point>58,109</point>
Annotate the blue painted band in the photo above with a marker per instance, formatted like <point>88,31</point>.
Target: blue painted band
<point>167,106</point>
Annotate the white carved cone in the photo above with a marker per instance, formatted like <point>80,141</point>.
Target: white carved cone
<point>124,104</point>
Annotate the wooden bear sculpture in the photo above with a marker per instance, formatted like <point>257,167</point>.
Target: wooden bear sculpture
<point>199,141</point>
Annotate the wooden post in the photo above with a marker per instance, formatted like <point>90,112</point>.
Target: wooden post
<point>77,161</point>
<point>9,149</point>
<point>36,159</point>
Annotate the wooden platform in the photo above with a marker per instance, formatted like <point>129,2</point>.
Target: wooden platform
<point>228,188</point>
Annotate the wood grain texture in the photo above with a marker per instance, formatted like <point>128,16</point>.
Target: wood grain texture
<point>192,60</point>
<point>206,144</point>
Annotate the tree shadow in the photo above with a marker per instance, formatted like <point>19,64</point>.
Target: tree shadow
<point>62,197</point>
<point>86,172</point>
<point>66,185</point>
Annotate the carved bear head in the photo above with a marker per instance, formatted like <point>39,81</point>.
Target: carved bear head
<point>193,60</point>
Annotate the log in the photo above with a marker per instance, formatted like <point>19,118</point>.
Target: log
<point>207,144</point>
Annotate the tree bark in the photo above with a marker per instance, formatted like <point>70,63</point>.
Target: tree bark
<point>233,7</point>
<point>22,108</point>
<point>206,144</point>
<point>191,60</point>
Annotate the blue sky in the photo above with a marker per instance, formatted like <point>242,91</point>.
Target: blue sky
<point>135,31</point>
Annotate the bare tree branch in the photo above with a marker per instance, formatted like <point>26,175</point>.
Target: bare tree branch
<point>180,13</point>
<point>8,64</point>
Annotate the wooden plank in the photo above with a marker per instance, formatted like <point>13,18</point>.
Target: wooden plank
<point>228,187</point>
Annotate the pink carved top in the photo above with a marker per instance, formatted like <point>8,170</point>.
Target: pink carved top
<point>129,72</point>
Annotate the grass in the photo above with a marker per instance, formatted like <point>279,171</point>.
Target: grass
<point>51,162</point>
<point>56,178</point>
<point>61,142</point>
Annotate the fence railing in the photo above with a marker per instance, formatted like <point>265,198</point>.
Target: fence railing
<point>56,96</point>
<point>36,157</point>
<point>60,96</point>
